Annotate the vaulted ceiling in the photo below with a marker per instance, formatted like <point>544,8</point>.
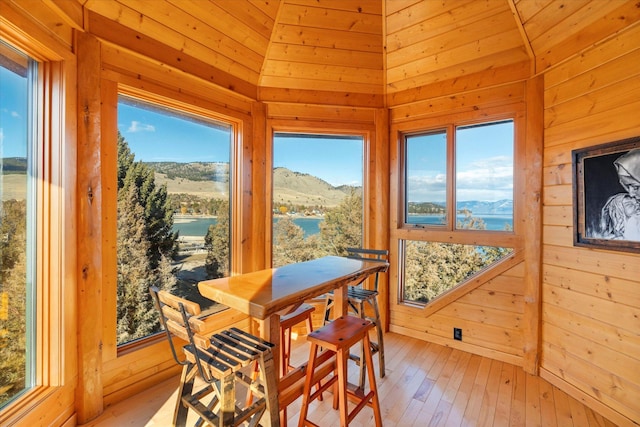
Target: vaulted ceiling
<point>379,47</point>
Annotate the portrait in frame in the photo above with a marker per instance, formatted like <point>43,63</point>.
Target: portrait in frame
<point>606,189</point>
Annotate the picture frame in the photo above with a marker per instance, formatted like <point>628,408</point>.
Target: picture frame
<point>606,193</point>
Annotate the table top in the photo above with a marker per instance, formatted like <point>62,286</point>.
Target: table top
<point>266,292</point>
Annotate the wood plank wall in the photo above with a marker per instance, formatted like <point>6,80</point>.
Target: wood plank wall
<point>591,298</point>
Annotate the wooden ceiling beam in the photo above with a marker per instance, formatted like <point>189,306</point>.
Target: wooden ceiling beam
<point>120,35</point>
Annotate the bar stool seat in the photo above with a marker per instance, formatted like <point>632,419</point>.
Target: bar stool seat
<point>335,339</point>
<point>218,361</point>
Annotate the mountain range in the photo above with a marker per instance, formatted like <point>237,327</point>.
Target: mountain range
<point>208,180</point>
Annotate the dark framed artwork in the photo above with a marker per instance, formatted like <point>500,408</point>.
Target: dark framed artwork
<point>606,189</point>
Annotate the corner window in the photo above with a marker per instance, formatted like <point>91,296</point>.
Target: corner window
<point>174,214</point>
<point>17,223</point>
<point>457,180</point>
<point>317,196</point>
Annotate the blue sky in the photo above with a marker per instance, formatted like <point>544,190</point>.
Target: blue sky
<point>153,136</point>
<point>162,137</point>
<point>484,158</point>
<point>484,165</point>
<point>338,161</point>
<point>13,114</point>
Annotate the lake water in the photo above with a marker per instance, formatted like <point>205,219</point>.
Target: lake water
<point>311,225</point>
<point>199,226</point>
<point>493,222</point>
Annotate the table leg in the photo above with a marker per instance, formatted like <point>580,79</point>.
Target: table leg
<point>270,331</point>
<point>340,301</point>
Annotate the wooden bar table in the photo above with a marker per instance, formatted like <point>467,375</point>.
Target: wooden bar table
<point>267,294</point>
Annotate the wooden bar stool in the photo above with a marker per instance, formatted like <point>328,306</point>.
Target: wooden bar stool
<point>218,362</point>
<point>336,339</point>
<point>287,322</point>
<point>358,299</point>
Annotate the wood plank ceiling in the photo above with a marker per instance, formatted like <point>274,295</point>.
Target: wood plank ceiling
<point>379,47</point>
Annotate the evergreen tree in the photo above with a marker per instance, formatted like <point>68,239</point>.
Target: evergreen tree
<point>342,226</point>
<point>157,212</point>
<point>216,242</point>
<point>146,244</point>
<point>289,243</point>
<point>13,293</point>
<point>433,268</point>
<point>136,316</point>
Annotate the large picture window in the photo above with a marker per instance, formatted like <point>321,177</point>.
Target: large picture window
<point>174,217</point>
<point>458,180</point>
<point>317,196</point>
<point>17,222</point>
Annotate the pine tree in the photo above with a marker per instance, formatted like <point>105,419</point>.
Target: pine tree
<point>13,287</point>
<point>342,226</point>
<point>146,244</point>
<point>291,245</point>
<point>432,268</point>
<point>216,243</point>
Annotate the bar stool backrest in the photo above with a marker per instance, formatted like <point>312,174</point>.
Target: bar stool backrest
<point>376,255</point>
<point>178,317</point>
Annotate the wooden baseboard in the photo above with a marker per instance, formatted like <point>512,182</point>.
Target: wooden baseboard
<point>593,403</point>
<point>464,346</point>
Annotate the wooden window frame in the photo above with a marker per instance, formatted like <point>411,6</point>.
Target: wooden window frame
<point>401,232</point>
<point>320,128</point>
<point>55,268</point>
<point>110,176</point>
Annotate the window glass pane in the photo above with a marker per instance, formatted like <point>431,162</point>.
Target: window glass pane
<point>317,196</point>
<point>173,209</point>
<point>426,178</point>
<point>432,268</point>
<point>17,222</point>
<point>484,176</point>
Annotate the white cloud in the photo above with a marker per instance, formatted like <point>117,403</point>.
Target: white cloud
<point>488,179</point>
<point>140,127</point>
<point>491,180</point>
<point>430,187</point>
<point>15,114</point>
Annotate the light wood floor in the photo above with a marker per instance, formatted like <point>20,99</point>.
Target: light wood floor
<point>425,385</point>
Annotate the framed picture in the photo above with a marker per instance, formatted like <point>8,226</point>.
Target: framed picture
<point>606,189</point>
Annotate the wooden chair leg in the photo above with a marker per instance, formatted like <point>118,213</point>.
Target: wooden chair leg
<point>363,360</point>
<point>375,402</point>
<point>184,390</point>
<point>380,337</point>
<point>268,368</point>
<point>342,357</point>
<point>306,395</point>
<point>328,305</point>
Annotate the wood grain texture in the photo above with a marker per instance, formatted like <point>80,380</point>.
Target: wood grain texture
<point>89,402</point>
<point>590,299</point>
<point>425,384</point>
